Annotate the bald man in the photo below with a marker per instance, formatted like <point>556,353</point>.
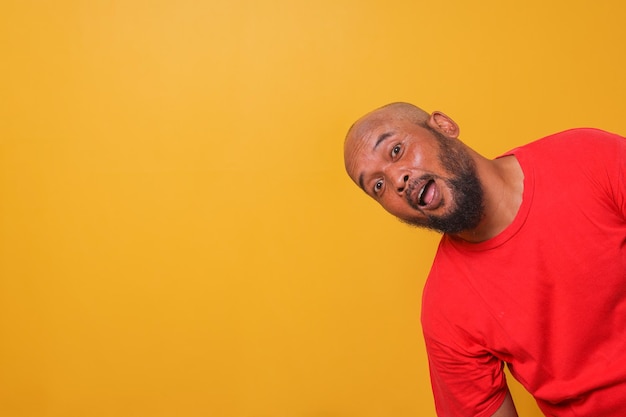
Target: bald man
<point>531,268</point>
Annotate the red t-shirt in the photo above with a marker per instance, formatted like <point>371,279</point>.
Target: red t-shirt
<point>547,296</point>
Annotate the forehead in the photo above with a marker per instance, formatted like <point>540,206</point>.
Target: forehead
<point>366,136</point>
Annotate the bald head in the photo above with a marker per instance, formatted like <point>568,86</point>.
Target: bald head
<point>415,166</point>
<point>405,111</point>
<point>390,112</point>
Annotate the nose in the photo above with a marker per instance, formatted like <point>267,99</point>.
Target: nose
<point>401,180</point>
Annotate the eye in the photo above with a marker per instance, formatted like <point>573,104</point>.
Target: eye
<point>395,151</point>
<point>378,186</point>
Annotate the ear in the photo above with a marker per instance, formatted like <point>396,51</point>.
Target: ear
<point>443,124</point>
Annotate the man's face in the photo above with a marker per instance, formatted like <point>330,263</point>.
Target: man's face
<point>417,174</point>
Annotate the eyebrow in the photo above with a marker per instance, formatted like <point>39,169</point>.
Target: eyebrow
<point>380,140</point>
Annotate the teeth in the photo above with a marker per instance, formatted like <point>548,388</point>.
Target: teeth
<point>421,194</point>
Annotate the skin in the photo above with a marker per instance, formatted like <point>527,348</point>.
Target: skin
<point>390,148</point>
<point>393,152</point>
<point>507,409</point>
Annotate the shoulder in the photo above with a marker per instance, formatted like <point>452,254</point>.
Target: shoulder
<point>467,379</point>
<point>587,152</point>
<point>445,297</point>
<point>574,141</point>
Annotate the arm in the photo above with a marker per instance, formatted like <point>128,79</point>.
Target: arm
<point>507,409</point>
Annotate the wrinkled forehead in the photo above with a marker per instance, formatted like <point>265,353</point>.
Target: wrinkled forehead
<point>371,121</point>
<point>361,142</point>
<point>364,129</point>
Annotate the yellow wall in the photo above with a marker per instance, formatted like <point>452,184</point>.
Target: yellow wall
<point>177,234</point>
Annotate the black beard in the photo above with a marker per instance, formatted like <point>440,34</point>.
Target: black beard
<point>467,207</point>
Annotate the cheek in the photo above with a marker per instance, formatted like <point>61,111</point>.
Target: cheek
<point>396,205</point>
<point>416,159</point>
<point>423,154</point>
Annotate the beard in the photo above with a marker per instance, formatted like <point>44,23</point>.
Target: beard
<point>467,207</point>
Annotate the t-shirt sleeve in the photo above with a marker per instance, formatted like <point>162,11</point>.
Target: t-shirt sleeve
<point>620,187</point>
<point>603,160</point>
<point>465,383</point>
<point>467,378</point>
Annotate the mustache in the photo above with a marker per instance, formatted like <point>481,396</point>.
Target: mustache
<point>414,186</point>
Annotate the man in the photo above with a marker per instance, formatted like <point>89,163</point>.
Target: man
<point>531,267</point>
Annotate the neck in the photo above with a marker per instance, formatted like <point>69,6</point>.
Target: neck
<point>503,185</point>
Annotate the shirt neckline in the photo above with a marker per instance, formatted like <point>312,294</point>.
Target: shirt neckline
<point>520,218</point>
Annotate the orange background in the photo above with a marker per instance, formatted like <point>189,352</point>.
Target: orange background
<point>177,234</point>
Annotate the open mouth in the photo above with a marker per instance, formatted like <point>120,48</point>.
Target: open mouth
<point>426,194</point>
